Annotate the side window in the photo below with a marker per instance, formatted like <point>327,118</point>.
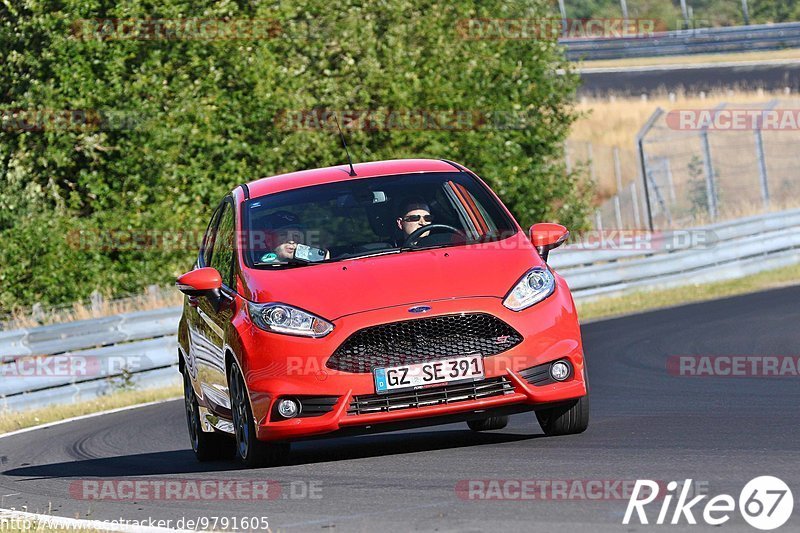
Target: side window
<point>222,252</point>
<point>208,238</point>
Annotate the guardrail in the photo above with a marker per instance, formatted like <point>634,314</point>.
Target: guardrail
<point>684,42</point>
<point>146,341</point>
<point>583,254</point>
<point>60,338</point>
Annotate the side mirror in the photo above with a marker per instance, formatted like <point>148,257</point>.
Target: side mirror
<point>201,282</point>
<point>546,236</point>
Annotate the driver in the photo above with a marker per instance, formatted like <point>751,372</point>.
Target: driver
<point>287,232</point>
<point>414,215</point>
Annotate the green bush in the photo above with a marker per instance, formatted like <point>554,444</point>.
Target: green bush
<point>177,123</point>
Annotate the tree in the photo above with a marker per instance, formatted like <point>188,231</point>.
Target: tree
<point>147,135</point>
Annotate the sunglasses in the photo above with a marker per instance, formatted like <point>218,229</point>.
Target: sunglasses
<point>415,218</point>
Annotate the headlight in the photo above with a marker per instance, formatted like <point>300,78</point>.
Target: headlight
<point>536,285</point>
<point>282,318</point>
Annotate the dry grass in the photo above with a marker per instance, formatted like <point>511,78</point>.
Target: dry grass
<point>12,420</point>
<point>615,121</point>
<point>649,300</point>
<point>153,298</point>
<point>792,53</point>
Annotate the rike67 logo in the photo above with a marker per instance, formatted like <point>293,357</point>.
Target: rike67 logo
<point>765,503</point>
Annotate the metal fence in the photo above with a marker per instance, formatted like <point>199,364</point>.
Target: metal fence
<point>693,175</point>
<point>615,172</point>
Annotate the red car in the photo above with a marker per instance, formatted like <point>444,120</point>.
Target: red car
<point>391,295</point>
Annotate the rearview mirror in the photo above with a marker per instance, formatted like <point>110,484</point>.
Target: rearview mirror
<point>546,236</point>
<point>200,282</point>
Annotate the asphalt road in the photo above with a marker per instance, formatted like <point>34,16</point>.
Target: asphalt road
<point>770,76</point>
<point>646,423</point>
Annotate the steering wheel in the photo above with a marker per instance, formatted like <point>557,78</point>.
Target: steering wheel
<point>413,238</point>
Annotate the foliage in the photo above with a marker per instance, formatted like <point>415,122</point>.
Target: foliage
<point>162,129</point>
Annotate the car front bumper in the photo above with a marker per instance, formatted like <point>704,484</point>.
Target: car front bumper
<point>277,366</point>
<point>524,396</point>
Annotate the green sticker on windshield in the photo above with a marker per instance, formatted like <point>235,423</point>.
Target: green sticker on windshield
<point>269,258</point>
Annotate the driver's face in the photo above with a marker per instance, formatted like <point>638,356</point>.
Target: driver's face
<point>287,239</point>
<point>413,220</point>
<point>289,235</point>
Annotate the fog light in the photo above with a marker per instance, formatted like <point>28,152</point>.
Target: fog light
<point>560,370</point>
<point>288,408</point>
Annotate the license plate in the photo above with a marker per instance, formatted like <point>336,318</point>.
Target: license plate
<point>421,375</point>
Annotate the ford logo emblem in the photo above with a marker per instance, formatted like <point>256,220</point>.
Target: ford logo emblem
<point>419,309</point>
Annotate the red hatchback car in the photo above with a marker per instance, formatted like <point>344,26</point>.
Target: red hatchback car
<point>397,294</point>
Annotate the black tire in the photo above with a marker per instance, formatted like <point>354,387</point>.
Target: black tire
<point>206,446</point>
<point>567,419</point>
<point>488,424</point>
<point>250,451</point>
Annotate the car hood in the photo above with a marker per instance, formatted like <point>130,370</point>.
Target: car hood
<point>333,290</point>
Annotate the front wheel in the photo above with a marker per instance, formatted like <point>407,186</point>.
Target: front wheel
<point>249,450</point>
<point>567,419</point>
<point>206,446</point>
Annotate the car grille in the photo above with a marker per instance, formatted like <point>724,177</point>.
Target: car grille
<point>422,340</point>
<point>375,403</point>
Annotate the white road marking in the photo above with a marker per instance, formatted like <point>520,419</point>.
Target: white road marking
<point>90,415</point>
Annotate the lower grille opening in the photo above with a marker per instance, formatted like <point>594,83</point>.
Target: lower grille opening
<point>376,403</point>
<point>310,406</point>
<point>538,375</point>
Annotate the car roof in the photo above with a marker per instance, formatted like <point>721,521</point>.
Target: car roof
<point>317,176</point>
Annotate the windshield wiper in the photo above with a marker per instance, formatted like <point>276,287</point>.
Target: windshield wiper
<point>288,264</point>
<point>434,246</point>
<point>361,255</point>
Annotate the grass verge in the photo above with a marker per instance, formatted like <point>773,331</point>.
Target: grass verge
<point>791,53</point>
<point>650,300</point>
<point>12,420</point>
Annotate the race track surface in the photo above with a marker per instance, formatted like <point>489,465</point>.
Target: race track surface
<point>635,81</point>
<point>645,423</point>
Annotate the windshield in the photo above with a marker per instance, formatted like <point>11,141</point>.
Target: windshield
<point>371,216</point>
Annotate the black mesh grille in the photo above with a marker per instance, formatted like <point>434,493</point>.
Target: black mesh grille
<point>422,340</point>
<point>311,406</point>
<point>375,403</point>
<point>538,375</point>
